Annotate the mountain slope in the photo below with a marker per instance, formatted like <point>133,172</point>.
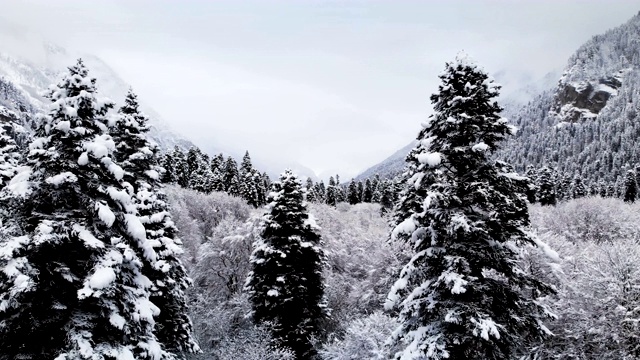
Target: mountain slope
<point>587,125</point>
<point>24,81</point>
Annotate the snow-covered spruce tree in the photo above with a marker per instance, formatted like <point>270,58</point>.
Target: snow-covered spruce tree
<point>9,155</point>
<point>630,186</point>
<point>311,191</point>
<point>376,184</point>
<point>360,187</point>
<point>249,179</point>
<point>285,285</point>
<point>546,187</point>
<point>352,193</point>
<point>321,192</point>
<point>169,175</point>
<point>73,285</point>
<point>532,189</point>
<point>231,178</point>
<point>138,158</point>
<point>387,197</point>
<point>331,196</point>
<point>578,189</point>
<point>367,193</point>
<point>462,294</point>
<point>179,165</point>
<point>563,189</point>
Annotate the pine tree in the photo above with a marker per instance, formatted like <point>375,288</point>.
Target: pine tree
<point>546,187</point>
<point>352,193</point>
<point>375,185</point>
<point>630,187</point>
<point>138,158</point>
<point>321,192</point>
<point>9,154</point>
<point>77,251</point>
<point>341,195</point>
<point>564,189</point>
<point>180,167</point>
<point>217,173</point>
<point>367,193</point>
<point>216,162</point>
<point>193,163</point>
<point>331,197</point>
<point>249,182</point>
<point>168,164</point>
<point>578,190</point>
<point>532,189</point>
<point>462,295</point>
<point>285,285</point>
<point>602,188</point>
<point>360,186</point>
<point>231,177</point>
<point>387,197</point>
<point>311,191</point>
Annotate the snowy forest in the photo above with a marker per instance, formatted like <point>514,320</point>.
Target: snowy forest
<point>509,233</point>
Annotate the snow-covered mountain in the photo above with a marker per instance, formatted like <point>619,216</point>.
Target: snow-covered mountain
<point>23,81</point>
<point>26,75</point>
<point>588,126</point>
<point>585,123</point>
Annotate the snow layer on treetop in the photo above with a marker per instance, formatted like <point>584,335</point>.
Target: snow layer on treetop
<point>20,184</point>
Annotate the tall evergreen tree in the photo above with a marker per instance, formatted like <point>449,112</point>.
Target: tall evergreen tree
<point>231,178</point>
<point>387,197</point>
<point>217,173</point>
<point>352,193</point>
<point>331,197</point>
<point>181,170</point>
<point>341,194</point>
<point>216,162</point>
<point>169,175</point>
<point>250,180</point>
<point>602,188</point>
<point>367,192</point>
<point>564,188</point>
<point>311,190</point>
<point>76,248</point>
<point>9,154</point>
<point>462,295</point>
<point>360,186</point>
<point>630,187</point>
<point>578,189</point>
<point>321,192</point>
<point>375,185</point>
<point>546,187</point>
<point>138,158</point>
<point>532,190</point>
<point>285,285</point>
<point>194,161</point>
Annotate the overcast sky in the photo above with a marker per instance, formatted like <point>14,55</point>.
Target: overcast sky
<point>334,85</point>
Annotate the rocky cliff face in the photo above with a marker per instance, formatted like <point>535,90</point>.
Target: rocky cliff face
<point>584,100</point>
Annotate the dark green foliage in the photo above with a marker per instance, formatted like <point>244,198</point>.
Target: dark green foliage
<point>331,197</point>
<point>464,213</point>
<point>353,197</point>
<point>578,188</point>
<point>546,187</point>
<point>630,187</point>
<point>231,177</point>
<point>285,285</point>
<point>367,192</point>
